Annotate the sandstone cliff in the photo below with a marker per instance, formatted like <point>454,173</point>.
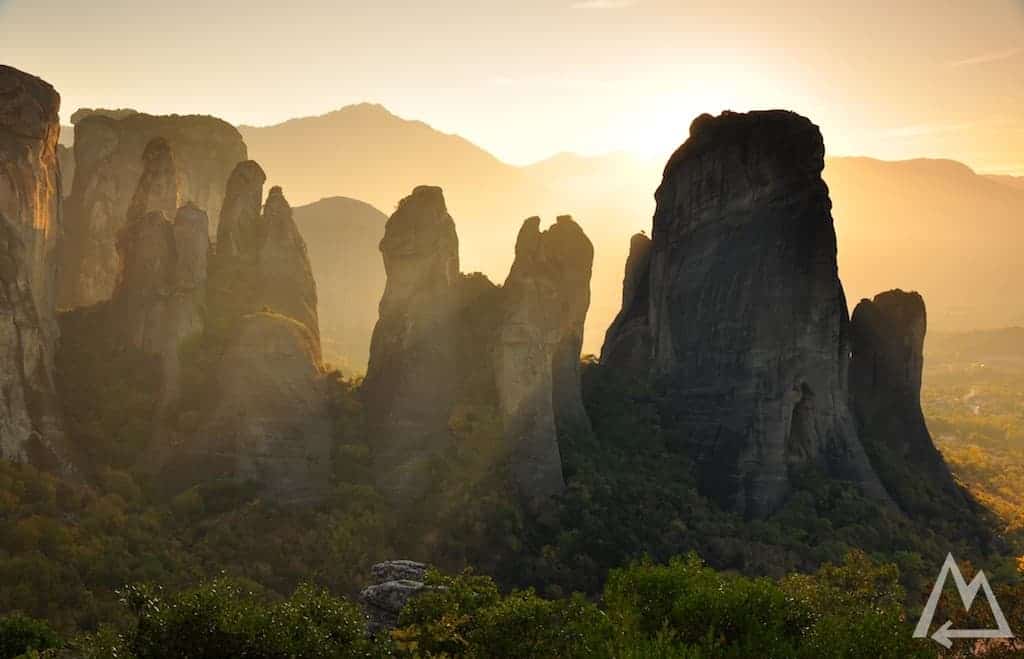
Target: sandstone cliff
<point>412,374</point>
<point>885,383</point>
<point>748,320</point>
<point>446,343</point>
<point>271,422</point>
<point>537,356</point>
<point>261,262</point>
<point>108,164</point>
<point>159,296</point>
<point>30,191</point>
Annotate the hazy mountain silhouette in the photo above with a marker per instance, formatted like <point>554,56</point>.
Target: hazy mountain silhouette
<point>933,226</point>
<point>1013,181</point>
<point>342,237</point>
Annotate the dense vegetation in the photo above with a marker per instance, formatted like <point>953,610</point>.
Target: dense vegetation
<point>683,609</point>
<point>113,561</point>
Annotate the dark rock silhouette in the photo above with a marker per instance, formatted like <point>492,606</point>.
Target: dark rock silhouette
<point>885,382</point>
<point>748,320</point>
<point>627,343</point>
<point>31,428</point>
<point>446,341</point>
<point>109,161</point>
<point>261,262</point>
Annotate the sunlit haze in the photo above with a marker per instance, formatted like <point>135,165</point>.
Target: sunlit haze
<point>531,78</point>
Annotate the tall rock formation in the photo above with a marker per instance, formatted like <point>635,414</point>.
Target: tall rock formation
<point>411,378</point>
<point>748,320</point>
<point>537,357</point>
<point>30,191</point>
<point>266,416</point>
<point>271,420</point>
<point>261,262</point>
<point>160,295</point>
<point>885,383</point>
<point>109,161</point>
<point>627,343</point>
<point>445,342</point>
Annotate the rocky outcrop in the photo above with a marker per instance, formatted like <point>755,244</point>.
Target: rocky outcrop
<point>748,320</point>
<point>261,262</point>
<point>885,383</point>
<point>271,422</point>
<point>446,342</point>
<point>30,190</point>
<point>627,343</point>
<point>394,584</point>
<point>160,295</point>
<point>537,357</point>
<point>157,189</point>
<point>412,374</point>
<point>109,162</point>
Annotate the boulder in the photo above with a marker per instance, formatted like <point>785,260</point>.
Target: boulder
<point>394,584</point>
<point>31,428</point>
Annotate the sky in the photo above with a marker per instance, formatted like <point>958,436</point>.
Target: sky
<point>526,79</point>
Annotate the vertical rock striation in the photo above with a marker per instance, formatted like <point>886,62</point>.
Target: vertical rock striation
<point>30,189</point>
<point>885,383</point>
<point>109,161</point>
<point>411,378</point>
<point>747,317</point>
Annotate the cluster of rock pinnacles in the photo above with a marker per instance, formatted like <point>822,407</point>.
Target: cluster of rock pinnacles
<point>733,307</point>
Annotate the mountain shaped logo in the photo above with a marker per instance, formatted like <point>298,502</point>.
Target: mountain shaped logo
<point>944,635</point>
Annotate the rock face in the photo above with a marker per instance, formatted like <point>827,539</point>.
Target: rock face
<point>260,263</point>
<point>30,191</point>
<point>537,357</point>
<point>109,161</point>
<point>412,374</point>
<point>160,295</point>
<point>394,584</point>
<point>271,424</point>
<point>748,320</point>
<point>446,342</point>
<point>885,382</point>
<point>158,186</point>
<point>627,343</point>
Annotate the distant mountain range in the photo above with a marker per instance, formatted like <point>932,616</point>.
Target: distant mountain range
<point>930,225</point>
<point>342,237</point>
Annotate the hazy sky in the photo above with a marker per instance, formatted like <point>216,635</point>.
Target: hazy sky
<point>526,78</point>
